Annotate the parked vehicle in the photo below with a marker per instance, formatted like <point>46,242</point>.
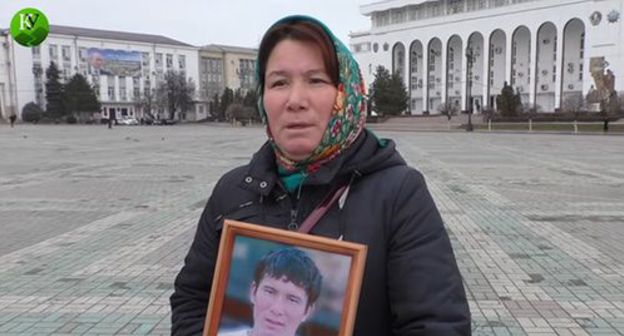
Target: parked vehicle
<point>165,122</point>
<point>128,121</point>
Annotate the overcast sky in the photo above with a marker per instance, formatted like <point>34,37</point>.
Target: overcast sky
<point>197,22</point>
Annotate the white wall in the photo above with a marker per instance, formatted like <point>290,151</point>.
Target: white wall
<point>6,100</point>
<point>605,39</point>
<point>23,63</point>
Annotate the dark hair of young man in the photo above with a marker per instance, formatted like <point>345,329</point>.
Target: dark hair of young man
<point>296,267</point>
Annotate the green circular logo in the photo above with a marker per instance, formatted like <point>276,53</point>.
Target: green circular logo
<point>29,27</point>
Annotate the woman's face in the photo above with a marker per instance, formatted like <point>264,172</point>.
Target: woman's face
<point>298,97</point>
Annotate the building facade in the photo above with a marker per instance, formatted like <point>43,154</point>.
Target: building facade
<point>223,67</point>
<point>462,52</point>
<point>8,92</point>
<point>122,67</point>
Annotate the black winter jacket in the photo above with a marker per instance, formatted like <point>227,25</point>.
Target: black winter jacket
<point>411,283</point>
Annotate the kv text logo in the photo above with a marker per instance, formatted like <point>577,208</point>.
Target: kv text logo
<point>29,27</point>
<point>27,21</point>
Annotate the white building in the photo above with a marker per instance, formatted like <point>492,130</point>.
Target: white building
<point>121,66</point>
<point>548,50</point>
<point>224,66</point>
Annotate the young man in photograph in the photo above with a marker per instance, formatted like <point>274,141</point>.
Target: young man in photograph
<point>283,293</point>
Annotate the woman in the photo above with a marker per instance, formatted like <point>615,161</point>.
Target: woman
<point>312,99</point>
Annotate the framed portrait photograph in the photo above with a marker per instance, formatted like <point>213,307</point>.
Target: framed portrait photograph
<point>282,283</point>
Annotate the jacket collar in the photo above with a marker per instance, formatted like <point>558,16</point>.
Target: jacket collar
<point>261,174</point>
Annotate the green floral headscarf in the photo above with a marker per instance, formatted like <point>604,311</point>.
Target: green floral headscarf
<point>348,115</point>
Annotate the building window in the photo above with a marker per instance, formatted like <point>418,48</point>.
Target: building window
<point>245,73</point>
<point>82,54</point>
<point>182,62</point>
<point>455,6</point>
<point>122,88</point>
<point>53,53</point>
<point>96,89</point>
<point>499,3</point>
<point>66,53</point>
<point>145,60</point>
<point>169,61</point>
<point>159,60</point>
<point>398,15</point>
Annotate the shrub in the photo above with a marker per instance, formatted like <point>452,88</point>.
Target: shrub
<point>32,113</point>
<point>449,109</point>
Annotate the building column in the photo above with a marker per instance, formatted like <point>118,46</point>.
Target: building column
<point>116,92</point>
<point>3,107</point>
<point>76,59</point>
<point>465,79</point>
<point>443,57</point>
<point>508,55</point>
<point>533,68</point>
<point>406,74</point>
<point>588,81</point>
<point>486,71</point>
<point>425,60</point>
<point>559,66</point>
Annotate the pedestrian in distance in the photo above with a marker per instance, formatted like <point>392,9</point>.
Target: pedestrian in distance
<point>12,119</point>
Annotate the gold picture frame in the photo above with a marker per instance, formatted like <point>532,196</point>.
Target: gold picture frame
<point>244,286</point>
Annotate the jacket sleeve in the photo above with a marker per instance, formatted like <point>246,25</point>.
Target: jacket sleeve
<point>424,284</point>
<point>189,301</point>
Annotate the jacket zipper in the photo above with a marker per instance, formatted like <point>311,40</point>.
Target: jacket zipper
<point>293,225</point>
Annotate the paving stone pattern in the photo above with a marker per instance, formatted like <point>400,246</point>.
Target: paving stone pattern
<point>95,224</point>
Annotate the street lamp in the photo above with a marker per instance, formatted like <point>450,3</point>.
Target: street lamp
<point>469,61</point>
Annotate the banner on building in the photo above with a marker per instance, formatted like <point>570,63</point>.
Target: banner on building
<point>114,62</point>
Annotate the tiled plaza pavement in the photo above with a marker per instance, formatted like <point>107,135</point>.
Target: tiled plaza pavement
<point>94,224</point>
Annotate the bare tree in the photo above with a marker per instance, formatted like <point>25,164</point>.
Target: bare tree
<point>449,109</point>
<point>147,103</point>
<point>175,93</point>
<point>574,103</point>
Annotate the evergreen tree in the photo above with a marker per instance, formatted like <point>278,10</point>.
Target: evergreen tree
<point>398,94</point>
<point>227,98</point>
<point>508,103</point>
<point>80,96</point>
<point>388,94</point>
<point>238,96</point>
<point>215,108</point>
<point>369,101</point>
<point>251,101</point>
<point>55,93</point>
